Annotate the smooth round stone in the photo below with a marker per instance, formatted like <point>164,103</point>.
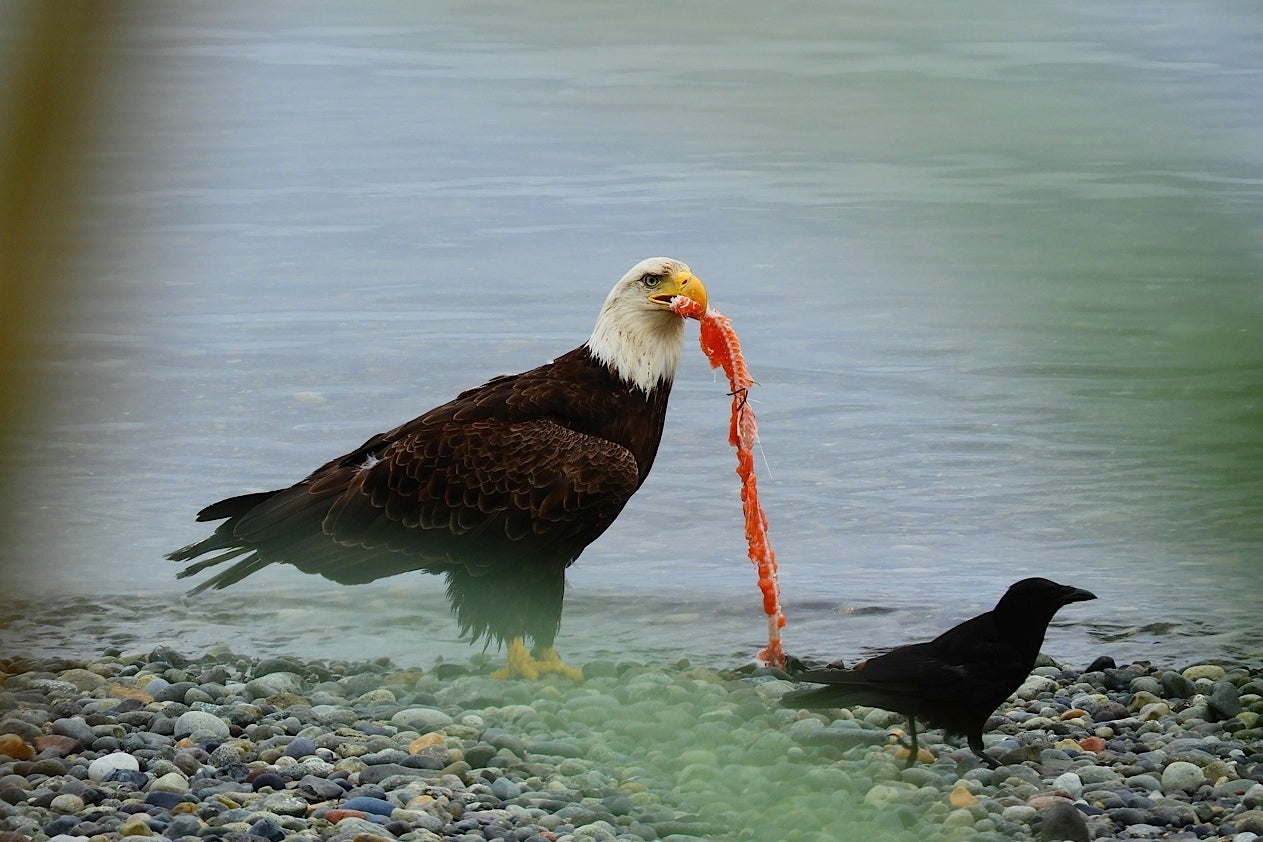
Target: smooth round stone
<point>197,694</point>
<point>1070,782</point>
<point>271,666</point>
<point>300,747</point>
<point>365,804</point>
<point>274,684</point>
<point>164,799</point>
<point>171,782</point>
<point>283,804</point>
<point>1033,686</point>
<point>352,827</point>
<point>502,739</point>
<point>82,679</point>
<point>26,730</point>
<point>1212,671</point>
<point>1062,821</point>
<point>1224,700</point>
<point>1182,775</point>
<point>1096,775</point>
<point>56,744</point>
<point>557,748</point>
<point>100,769</point>
<point>184,826</point>
<point>1019,814</point>
<point>505,789</point>
<point>375,697</point>
<point>175,692</point>
<point>881,794</point>
<point>1147,782</point>
<point>156,686</point>
<point>268,780</point>
<point>201,725</point>
<point>66,804</point>
<point>320,787</point>
<point>1176,686</point>
<point>135,826</point>
<point>420,719</point>
<point>1154,711</point>
<point>75,728</point>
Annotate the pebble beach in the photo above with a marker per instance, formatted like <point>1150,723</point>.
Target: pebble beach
<point>221,746</point>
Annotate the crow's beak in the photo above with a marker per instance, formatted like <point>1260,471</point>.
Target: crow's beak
<point>1076,595</point>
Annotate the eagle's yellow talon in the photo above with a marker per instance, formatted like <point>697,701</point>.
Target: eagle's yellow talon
<point>523,665</point>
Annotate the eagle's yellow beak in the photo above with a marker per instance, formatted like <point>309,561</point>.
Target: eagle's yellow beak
<point>680,283</point>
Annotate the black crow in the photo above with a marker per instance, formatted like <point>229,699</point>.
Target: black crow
<point>956,680</point>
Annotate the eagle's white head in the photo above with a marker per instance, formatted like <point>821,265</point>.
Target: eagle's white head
<point>637,333</point>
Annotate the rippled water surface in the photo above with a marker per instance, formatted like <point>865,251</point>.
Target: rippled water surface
<point>996,269</point>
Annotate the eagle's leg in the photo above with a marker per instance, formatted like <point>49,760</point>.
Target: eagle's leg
<point>550,662</point>
<point>522,664</point>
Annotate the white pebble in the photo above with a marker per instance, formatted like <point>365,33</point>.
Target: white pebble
<point>103,767</point>
<point>200,724</point>
<point>1070,782</point>
<point>1182,775</point>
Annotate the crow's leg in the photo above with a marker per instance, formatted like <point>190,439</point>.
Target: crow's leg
<point>911,744</point>
<point>975,745</point>
<point>915,747</point>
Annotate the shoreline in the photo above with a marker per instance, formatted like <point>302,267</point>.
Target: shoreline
<point>225,746</point>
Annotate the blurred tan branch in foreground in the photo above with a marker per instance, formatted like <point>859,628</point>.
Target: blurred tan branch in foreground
<point>53,66</point>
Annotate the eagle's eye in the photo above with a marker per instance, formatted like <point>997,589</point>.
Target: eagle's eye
<point>651,281</point>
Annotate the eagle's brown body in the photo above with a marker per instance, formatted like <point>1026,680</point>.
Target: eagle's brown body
<point>499,489</point>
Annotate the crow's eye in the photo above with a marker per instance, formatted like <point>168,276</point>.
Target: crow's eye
<point>651,281</point>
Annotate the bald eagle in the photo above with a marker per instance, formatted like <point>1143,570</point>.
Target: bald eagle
<point>499,490</point>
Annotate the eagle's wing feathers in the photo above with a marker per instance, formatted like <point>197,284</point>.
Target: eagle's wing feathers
<point>435,496</point>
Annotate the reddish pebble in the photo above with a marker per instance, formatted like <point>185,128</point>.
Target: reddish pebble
<point>434,738</point>
<point>56,744</point>
<point>11,745</point>
<point>123,691</point>
<point>338,814</point>
<point>1092,744</point>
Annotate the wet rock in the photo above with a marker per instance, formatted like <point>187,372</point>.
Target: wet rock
<point>1062,821</point>
<point>76,729</point>
<point>1224,700</point>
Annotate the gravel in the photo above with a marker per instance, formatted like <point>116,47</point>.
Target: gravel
<point>219,746</point>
